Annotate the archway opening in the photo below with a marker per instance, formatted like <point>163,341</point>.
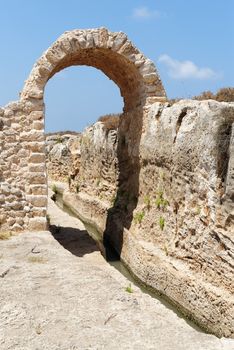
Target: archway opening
<point>81,151</point>
<point>97,162</point>
<point>77,96</point>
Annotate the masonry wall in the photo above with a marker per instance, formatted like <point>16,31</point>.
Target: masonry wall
<point>22,168</point>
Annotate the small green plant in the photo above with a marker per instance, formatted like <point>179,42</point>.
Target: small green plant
<point>138,217</point>
<point>98,181</point>
<point>165,249</point>
<point>77,188</point>
<point>147,202</point>
<point>161,223</point>
<point>5,235</point>
<point>160,201</point>
<point>129,288</point>
<point>54,189</point>
<point>198,210</point>
<point>113,200</point>
<point>59,139</point>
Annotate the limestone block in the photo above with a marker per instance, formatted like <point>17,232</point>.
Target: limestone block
<point>37,200</point>
<point>37,158</point>
<point>17,228</point>
<point>36,178</point>
<point>32,135</point>
<point>38,125</point>
<point>37,168</point>
<point>37,224</point>
<point>36,115</point>
<point>36,147</point>
<point>119,41</point>
<point>38,189</point>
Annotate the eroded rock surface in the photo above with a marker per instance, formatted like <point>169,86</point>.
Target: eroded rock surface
<point>168,208</point>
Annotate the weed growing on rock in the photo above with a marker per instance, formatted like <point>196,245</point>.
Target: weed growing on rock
<point>138,217</point>
<point>54,189</point>
<point>147,202</point>
<point>198,210</point>
<point>59,140</point>
<point>161,223</point>
<point>129,288</point>
<point>160,201</point>
<point>165,249</point>
<point>113,200</point>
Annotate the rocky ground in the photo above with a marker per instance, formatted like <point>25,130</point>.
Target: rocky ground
<point>57,292</point>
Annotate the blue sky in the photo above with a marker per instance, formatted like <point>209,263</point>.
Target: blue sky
<point>191,43</point>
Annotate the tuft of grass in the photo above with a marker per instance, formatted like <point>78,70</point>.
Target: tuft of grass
<point>161,202</point>
<point>161,223</point>
<point>166,249</point>
<point>5,235</point>
<point>113,200</point>
<point>198,210</point>
<point>147,202</point>
<point>37,259</point>
<point>129,288</point>
<point>138,217</point>
<point>59,140</point>
<point>54,189</point>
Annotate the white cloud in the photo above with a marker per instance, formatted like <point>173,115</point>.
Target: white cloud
<point>186,69</point>
<point>144,13</point>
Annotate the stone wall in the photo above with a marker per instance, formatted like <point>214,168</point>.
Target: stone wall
<point>165,202</point>
<point>23,182</point>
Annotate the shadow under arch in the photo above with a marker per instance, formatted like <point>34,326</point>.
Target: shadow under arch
<point>140,86</point>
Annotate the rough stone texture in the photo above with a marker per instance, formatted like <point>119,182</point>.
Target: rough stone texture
<point>63,156</point>
<point>57,293</point>
<point>171,214</point>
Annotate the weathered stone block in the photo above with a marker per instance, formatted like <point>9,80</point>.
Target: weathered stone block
<point>37,158</point>
<point>37,224</point>
<point>37,200</point>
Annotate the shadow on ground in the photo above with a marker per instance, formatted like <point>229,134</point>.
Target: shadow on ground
<point>78,242</point>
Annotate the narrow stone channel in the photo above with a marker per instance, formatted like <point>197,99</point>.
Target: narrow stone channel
<point>58,292</point>
<point>114,261</point>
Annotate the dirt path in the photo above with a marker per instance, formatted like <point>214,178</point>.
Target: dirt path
<point>58,293</point>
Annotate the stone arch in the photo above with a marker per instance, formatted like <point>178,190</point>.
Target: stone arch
<point>112,53</point>
<point>24,163</point>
